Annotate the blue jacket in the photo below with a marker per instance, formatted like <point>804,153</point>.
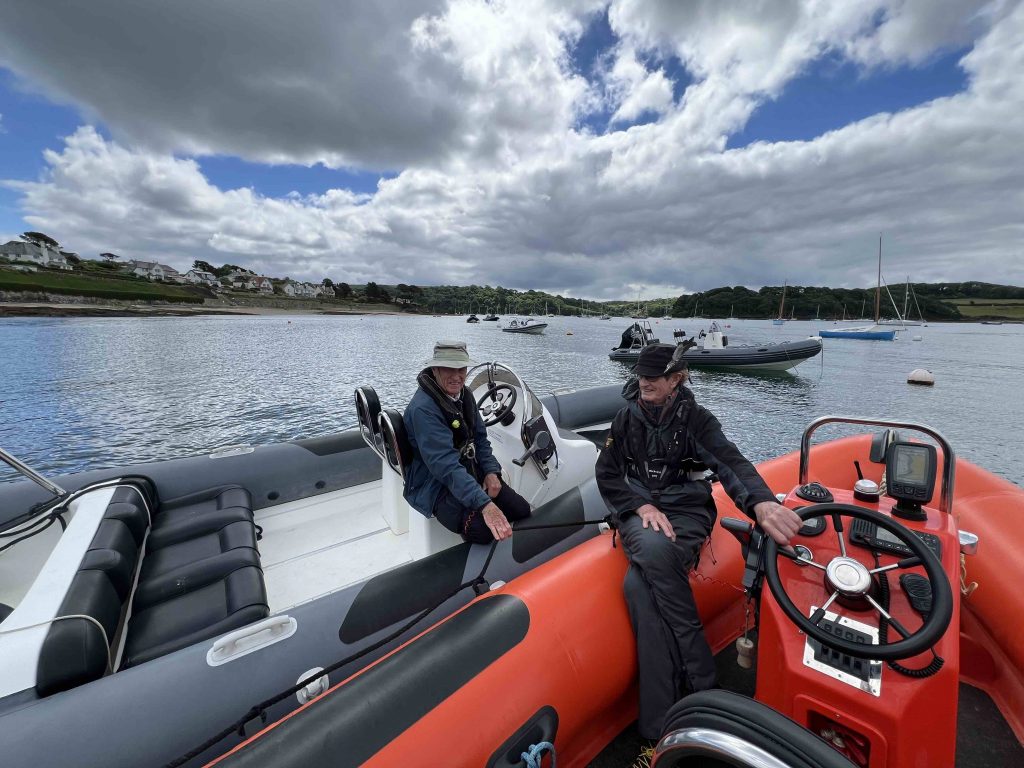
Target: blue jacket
<point>435,463</point>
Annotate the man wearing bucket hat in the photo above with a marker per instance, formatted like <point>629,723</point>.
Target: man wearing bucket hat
<point>650,474</point>
<point>454,475</point>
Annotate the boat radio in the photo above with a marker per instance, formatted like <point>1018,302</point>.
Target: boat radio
<point>870,536</point>
<point>910,472</point>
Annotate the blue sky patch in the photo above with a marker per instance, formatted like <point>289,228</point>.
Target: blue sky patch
<point>835,92</point>
<point>226,172</point>
<point>597,40</point>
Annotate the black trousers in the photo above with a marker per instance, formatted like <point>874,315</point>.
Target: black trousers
<point>672,653</point>
<point>454,516</point>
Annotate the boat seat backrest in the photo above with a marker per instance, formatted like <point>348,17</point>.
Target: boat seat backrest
<point>81,642</point>
<point>368,414</point>
<point>398,450</point>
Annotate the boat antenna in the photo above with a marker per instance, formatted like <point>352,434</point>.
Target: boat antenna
<point>878,285</point>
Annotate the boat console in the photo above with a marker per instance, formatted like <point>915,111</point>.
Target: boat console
<point>858,627</point>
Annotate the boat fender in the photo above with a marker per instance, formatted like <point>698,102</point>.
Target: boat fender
<point>921,377</point>
<point>744,652</point>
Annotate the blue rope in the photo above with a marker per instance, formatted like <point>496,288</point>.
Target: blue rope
<point>533,756</point>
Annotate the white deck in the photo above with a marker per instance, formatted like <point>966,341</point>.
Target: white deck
<point>324,543</point>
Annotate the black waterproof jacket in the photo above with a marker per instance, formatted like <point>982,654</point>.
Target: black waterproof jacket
<point>703,442</point>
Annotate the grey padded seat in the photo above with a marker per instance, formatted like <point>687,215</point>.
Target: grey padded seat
<point>186,518</point>
<point>195,602</point>
<point>201,576</point>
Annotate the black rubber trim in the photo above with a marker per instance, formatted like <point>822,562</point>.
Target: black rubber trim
<point>567,508</point>
<point>403,592</point>
<point>331,444</point>
<point>752,721</point>
<point>351,724</point>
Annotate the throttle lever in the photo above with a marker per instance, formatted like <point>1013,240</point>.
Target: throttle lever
<point>540,442</point>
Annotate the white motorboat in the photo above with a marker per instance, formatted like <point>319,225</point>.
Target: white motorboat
<point>524,325</point>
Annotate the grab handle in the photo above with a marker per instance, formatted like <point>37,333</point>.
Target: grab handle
<point>244,641</point>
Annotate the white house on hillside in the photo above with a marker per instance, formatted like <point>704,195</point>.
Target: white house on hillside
<point>263,284</point>
<point>243,282</point>
<point>301,290</point>
<point>16,250</point>
<point>151,270</point>
<point>202,277</point>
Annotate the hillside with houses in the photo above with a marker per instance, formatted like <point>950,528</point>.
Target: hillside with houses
<point>36,267</point>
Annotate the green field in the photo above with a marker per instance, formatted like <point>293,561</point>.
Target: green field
<point>1009,309</point>
<point>77,284</point>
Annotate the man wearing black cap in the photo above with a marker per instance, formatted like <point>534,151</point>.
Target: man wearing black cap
<point>650,473</point>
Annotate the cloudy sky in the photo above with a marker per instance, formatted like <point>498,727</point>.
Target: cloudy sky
<point>576,146</point>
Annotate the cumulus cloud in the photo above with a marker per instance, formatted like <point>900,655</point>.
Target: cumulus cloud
<point>507,191</point>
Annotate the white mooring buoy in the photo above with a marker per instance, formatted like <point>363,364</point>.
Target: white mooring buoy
<point>918,337</point>
<point>921,376</point>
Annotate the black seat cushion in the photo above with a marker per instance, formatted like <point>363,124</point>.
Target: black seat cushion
<point>199,514</point>
<point>191,576</point>
<point>752,721</point>
<point>225,595</point>
<point>240,534</point>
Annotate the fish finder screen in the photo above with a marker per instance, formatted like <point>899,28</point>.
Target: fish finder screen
<point>912,465</point>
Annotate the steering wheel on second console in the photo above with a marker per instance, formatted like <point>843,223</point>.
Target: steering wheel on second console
<point>499,408</point>
<point>848,577</point>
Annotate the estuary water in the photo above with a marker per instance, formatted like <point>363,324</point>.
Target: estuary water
<point>86,393</point>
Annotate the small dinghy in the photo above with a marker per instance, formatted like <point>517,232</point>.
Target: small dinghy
<point>867,638</point>
<point>527,325</point>
<point>713,350</point>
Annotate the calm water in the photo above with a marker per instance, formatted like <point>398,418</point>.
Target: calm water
<point>89,393</point>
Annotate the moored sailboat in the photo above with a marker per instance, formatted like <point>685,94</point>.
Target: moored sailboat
<point>780,320</point>
<point>875,332</point>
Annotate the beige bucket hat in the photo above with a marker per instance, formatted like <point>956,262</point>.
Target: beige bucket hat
<point>450,354</point>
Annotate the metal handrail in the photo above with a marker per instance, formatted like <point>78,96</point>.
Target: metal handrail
<point>31,474</point>
<point>948,456</point>
<point>705,742</point>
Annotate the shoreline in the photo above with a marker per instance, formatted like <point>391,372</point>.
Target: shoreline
<point>74,309</point>
<point>53,309</point>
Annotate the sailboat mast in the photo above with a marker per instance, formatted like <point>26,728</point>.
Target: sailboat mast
<point>878,285</point>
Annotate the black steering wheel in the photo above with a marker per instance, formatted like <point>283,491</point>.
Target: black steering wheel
<point>847,577</point>
<point>500,407</point>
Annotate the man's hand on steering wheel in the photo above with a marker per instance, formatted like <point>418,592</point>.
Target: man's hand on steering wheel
<point>778,521</point>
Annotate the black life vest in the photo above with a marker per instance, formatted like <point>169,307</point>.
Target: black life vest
<point>674,466</point>
<point>460,416</point>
